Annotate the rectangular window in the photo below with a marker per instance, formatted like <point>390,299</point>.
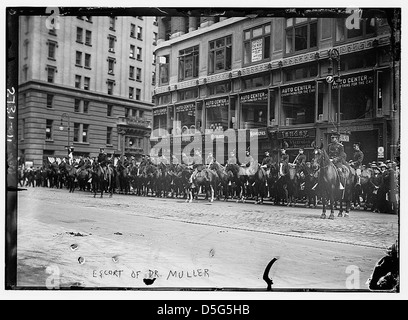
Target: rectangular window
<point>132,72</point>
<point>78,58</point>
<point>127,111</point>
<point>51,74</point>
<point>87,82</point>
<point>76,132</point>
<point>48,130</point>
<point>219,88</point>
<point>79,34</point>
<point>77,105</point>
<point>112,21</point>
<point>22,129</point>
<point>219,57</point>
<point>301,34</point>
<point>132,51</point>
<point>88,37</point>
<point>87,60</point>
<point>164,63</point>
<point>88,18</point>
<point>86,106</point>
<point>139,32</point>
<point>111,63</point>
<point>85,130</point>
<point>132,30</point>
<point>188,94</point>
<point>257,42</point>
<point>138,93</point>
<point>110,87</point>
<point>367,27</point>
<point>109,136</point>
<point>131,92</point>
<point>50,100</point>
<point>138,74</point>
<point>154,38</point>
<point>78,81</point>
<point>111,40</point>
<point>109,110</point>
<point>188,63</point>
<point>139,54</point>
<point>51,50</point>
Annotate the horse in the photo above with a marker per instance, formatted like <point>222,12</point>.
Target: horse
<point>223,178</point>
<point>329,180</point>
<point>69,171</point>
<point>257,182</point>
<point>123,178</point>
<point>101,181</point>
<point>272,176</point>
<point>83,177</point>
<point>238,177</point>
<point>208,179</point>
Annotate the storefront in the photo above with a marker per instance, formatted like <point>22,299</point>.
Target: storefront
<point>185,117</point>
<point>254,109</point>
<point>160,118</point>
<point>357,98</point>
<point>216,114</point>
<point>298,104</point>
<point>293,140</point>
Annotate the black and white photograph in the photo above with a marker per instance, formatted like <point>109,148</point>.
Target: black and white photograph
<point>236,150</point>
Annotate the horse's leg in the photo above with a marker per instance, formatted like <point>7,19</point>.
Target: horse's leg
<point>332,192</point>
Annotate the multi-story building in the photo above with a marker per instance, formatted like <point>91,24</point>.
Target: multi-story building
<point>283,80</point>
<point>85,82</point>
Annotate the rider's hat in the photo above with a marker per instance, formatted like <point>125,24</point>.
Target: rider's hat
<point>357,144</point>
<point>267,151</point>
<point>335,135</point>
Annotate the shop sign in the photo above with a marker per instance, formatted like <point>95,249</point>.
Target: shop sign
<point>257,50</point>
<point>159,111</point>
<point>296,134</point>
<point>216,103</point>
<point>364,127</point>
<point>254,96</point>
<point>344,138</point>
<point>185,107</point>
<point>298,89</point>
<point>354,80</point>
<point>260,133</point>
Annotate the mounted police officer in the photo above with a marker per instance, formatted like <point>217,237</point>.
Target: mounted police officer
<point>210,159</point>
<point>71,155</point>
<point>337,154</point>
<point>197,164</point>
<point>357,161</point>
<point>300,160</point>
<point>232,158</point>
<point>185,159</point>
<point>248,160</point>
<point>267,161</point>
<point>103,161</point>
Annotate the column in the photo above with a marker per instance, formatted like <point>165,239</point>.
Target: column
<point>178,26</point>
<point>192,23</point>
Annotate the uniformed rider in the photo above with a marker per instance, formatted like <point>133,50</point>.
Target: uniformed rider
<point>232,158</point>
<point>337,154</point>
<point>267,161</point>
<point>197,164</point>
<point>357,161</point>
<point>103,161</point>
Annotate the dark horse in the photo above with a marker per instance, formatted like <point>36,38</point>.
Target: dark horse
<point>69,171</point>
<point>101,181</point>
<point>329,181</point>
